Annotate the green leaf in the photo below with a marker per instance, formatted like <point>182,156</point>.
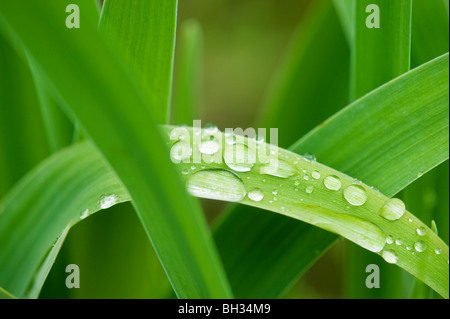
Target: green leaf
<point>417,104</point>
<point>379,53</point>
<point>144,30</point>
<point>18,104</point>
<point>5,295</point>
<point>188,100</point>
<point>373,65</point>
<point>116,116</point>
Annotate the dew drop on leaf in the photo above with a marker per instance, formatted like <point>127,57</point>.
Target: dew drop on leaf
<point>355,195</point>
<point>332,182</point>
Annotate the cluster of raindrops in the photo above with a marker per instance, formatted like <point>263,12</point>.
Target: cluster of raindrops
<point>227,184</point>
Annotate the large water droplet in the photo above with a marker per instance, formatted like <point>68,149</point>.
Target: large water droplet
<point>420,246</point>
<point>216,184</point>
<point>209,147</point>
<point>107,201</point>
<point>393,209</point>
<point>355,194</point>
<point>332,182</point>
<point>389,256</point>
<point>256,195</point>
<point>421,231</point>
<point>284,170</point>
<point>237,158</point>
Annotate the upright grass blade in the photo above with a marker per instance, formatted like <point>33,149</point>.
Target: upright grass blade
<point>382,165</point>
<point>188,99</point>
<point>78,175</point>
<point>379,54</point>
<point>117,118</point>
<point>318,50</point>
<point>144,30</point>
<point>18,104</point>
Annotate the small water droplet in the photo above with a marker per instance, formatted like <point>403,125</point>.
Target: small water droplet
<point>297,182</point>
<point>211,128</point>
<point>420,246</point>
<point>209,147</point>
<point>410,220</point>
<point>399,242</point>
<point>408,247</point>
<point>421,231</point>
<point>193,168</point>
<point>332,182</point>
<point>315,174</point>
<point>438,251</point>
<point>185,171</point>
<point>389,240</point>
<point>107,201</point>
<point>309,189</point>
<point>389,256</point>
<point>393,209</point>
<point>256,195</point>
<point>296,189</point>
<point>356,195</point>
<point>84,214</point>
<point>275,199</point>
<point>309,157</point>
<point>275,192</point>
<point>306,177</point>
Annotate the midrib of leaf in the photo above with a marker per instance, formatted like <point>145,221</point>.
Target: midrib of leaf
<point>116,116</point>
<point>93,177</point>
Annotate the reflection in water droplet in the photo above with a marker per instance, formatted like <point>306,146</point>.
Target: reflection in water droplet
<point>216,184</point>
<point>256,195</point>
<point>420,246</point>
<point>389,256</point>
<point>356,195</point>
<point>393,209</point>
<point>108,200</point>
<point>332,182</point>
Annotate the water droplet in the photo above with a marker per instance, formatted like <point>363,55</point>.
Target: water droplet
<point>181,151</point>
<point>297,182</point>
<point>399,242</point>
<point>193,167</point>
<point>332,182</point>
<point>421,231</point>
<point>393,209</point>
<point>438,251</point>
<point>309,189</point>
<point>410,220</point>
<point>284,170</point>
<point>209,147</point>
<point>275,199</point>
<point>256,195</point>
<point>306,177</point>
<point>309,157</point>
<point>389,256</point>
<point>216,184</point>
<point>408,247</point>
<point>185,171</point>
<point>84,214</point>
<point>275,192</point>
<point>237,158</point>
<point>389,240</point>
<point>211,128</point>
<point>420,246</point>
<point>356,195</point>
<point>107,201</point>
<point>315,174</point>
